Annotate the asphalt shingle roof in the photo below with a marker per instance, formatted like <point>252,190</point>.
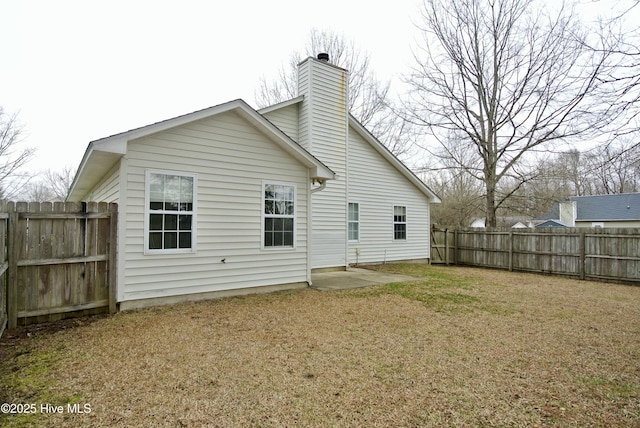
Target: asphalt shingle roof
<point>624,206</point>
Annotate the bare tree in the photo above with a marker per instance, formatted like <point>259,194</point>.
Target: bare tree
<point>37,191</point>
<point>624,72</point>
<point>369,100</point>
<point>12,157</point>
<point>507,77</point>
<point>59,182</point>
<point>461,199</point>
<point>606,169</point>
<point>460,189</point>
<point>570,171</point>
<point>550,179</point>
<point>48,186</point>
<point>614,168</point>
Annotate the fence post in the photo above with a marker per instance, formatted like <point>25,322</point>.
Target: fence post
<point>113,258</point>
<point>582,250</point>
<point>455,246</point>
<point>510,250</point>
<point>4,282</point>
<point>446,247</point>
<point>12,259</point>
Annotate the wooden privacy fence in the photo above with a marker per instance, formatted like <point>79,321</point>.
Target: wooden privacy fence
<point>585,253</point>
<point>60,258</point>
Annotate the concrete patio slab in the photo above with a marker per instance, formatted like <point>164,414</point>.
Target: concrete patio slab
<point>355,278</point>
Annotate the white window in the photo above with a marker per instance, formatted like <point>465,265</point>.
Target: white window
<point>279,203</point>
<point>170,212</point>
<point>597,224</point>
<point>354,221</point>
<point>399,223</point>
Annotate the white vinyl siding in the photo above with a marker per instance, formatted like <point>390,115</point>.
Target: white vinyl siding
<point>231,159</point>
<point>286,119</point>
<point>378,186</point>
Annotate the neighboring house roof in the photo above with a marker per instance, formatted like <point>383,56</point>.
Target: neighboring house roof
<point>101,155</point>
<point>551,223</point>
<point>620,207</point>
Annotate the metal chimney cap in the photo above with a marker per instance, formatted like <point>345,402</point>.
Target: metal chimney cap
<point>323,56</point>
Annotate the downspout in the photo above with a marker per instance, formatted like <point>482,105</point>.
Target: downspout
<point>323,184</point>
<point>345,80</point>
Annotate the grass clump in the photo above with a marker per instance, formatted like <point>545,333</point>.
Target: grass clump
<point>440,290</point>
<point>432,296</point>
<point>28,380</point>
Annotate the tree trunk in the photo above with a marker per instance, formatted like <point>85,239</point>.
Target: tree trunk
<point>490,182</point>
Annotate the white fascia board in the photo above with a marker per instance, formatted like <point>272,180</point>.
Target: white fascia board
<point>282,104</point>
<point>117,143</point>
<point>394,161</point>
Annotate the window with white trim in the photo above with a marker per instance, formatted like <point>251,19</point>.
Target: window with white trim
<point>170,212</point>
<point>354,221</point>
<point>399,222</point>
<point>279,200</point>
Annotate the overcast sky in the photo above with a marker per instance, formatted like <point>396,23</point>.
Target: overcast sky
<point>77,71</point>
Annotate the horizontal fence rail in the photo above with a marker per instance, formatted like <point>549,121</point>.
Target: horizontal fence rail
<point>585,253</point>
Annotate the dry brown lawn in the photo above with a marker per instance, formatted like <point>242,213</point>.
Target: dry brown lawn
<point>462,347</point>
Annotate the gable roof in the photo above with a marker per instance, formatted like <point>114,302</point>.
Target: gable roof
<point>551,223</point>
<point>101,155</point>
<point>623,206</point>
<point>375,143</point>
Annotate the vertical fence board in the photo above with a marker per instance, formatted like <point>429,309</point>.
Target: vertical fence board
<point>113,257</point>
<point>4,265</point>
